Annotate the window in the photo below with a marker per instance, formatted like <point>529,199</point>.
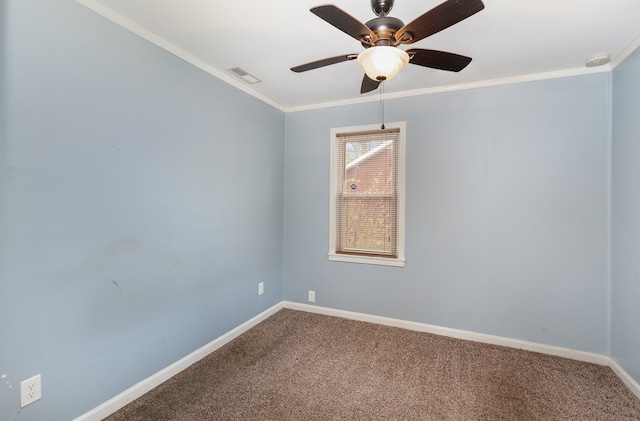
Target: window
<point>367,194</point>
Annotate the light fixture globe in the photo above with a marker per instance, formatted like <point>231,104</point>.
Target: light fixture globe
<point>382,62</point>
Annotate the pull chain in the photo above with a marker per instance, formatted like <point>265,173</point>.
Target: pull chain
<point>382,105</point>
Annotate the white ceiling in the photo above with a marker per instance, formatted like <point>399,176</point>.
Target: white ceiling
<point>509,40</point>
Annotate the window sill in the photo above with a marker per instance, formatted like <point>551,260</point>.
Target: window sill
<point>367,260</point>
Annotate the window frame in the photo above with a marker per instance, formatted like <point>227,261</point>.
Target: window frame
<point>399,259</point>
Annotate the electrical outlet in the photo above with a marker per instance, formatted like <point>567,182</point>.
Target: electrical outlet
<point>261,288</point>
<point>312,296</point>
<point>30,390</point>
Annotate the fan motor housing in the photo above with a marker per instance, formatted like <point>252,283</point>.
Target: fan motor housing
<point>384,27</point>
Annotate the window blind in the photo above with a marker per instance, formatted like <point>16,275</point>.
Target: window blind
<point>367,193</point>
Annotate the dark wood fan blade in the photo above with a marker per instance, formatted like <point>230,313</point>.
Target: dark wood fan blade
<point>345,22</point>
<point>438,59</point>
<point>440,17</point>
<point>368,85</point>
<point>324,62</point>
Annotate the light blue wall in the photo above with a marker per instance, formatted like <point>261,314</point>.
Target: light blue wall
<point>139,210</point>
<point>625,332</point>
<point>141,203</point>
<point>506,213</point>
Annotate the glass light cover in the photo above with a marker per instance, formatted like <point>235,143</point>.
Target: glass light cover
<point>382,61</point>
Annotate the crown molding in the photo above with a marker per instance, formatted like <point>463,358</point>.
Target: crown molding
<point>626,52</point>
<point>179,52</point>
<point>458,87</point>
<point>173,49</point>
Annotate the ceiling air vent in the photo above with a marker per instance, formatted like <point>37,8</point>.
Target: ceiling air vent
<point>244,75</point>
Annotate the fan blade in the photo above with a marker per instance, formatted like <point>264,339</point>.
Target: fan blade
<point>368,85</point>
<point>324,62</point>
<point>345,22</point>
<point>440,17</point>
<point>438,59</point>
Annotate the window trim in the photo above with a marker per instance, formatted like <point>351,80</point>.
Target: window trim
<point>399,260</point>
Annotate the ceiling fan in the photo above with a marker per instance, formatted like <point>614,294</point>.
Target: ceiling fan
<point>381,36</point>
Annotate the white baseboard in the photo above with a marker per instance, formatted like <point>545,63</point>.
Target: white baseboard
<point>476,337</point>
<point>134,392</point>
<point>455,333</point>
<point>139,389</point>
<point>625,377</point>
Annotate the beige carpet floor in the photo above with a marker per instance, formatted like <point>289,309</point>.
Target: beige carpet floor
<point>302,366</point>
